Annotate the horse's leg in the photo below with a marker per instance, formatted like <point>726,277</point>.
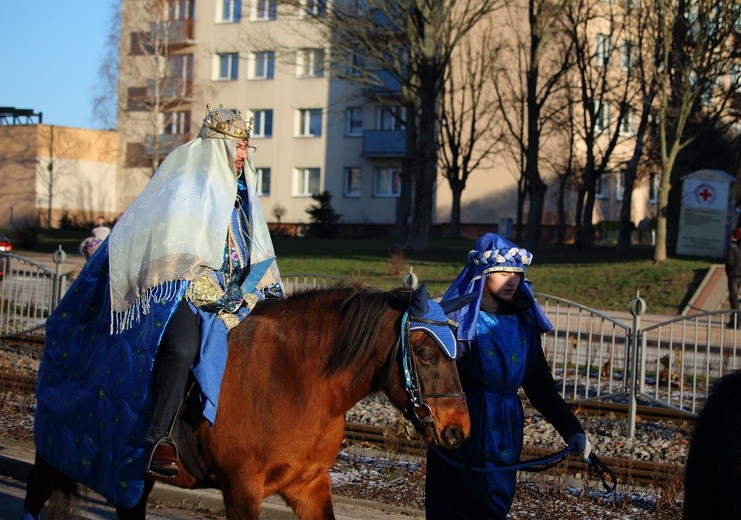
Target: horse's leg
<point>242,494</point>
<point>139,511</point>
<point>42,482</point>
<point>311,500</point>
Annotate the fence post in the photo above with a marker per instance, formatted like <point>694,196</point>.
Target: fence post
<point>59,257</point>
<point>637,307</point>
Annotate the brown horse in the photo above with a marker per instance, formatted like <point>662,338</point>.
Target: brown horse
<point>294,368</point>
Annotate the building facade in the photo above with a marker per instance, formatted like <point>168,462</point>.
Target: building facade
<point>311,133</point>
<point>49,171</point>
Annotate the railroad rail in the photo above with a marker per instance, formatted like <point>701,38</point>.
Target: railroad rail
<point>628,471</point>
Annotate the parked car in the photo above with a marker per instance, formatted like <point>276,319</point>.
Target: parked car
<point>5,247</point>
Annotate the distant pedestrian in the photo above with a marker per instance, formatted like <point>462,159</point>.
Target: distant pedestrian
<point>733,272</point>
<point>101,231</point>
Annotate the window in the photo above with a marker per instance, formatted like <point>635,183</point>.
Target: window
<point>602,191</point>
<point>386,182</point>
<point>316,8</point>
<point>265,10</point>
<point>230,12</point>
<point>263,182</point>
<point>601,117</point>
<point>181,9</point>
<point>604,49</point>
<point>306,182</point>
<point>352,182</point>
<point>356,64</point>
<point>263,65</point>
<point>391,118</point>
<point>354,121</point>
<point>227,66</point>
<point>628,123</point>
<point>309,122</point>
<point>653,189</point>
<point>136,99</point>
<point>619,185</point>
<point>263,124</point>
<point>179,74</point>
<point>310,63</point>
<point>176,123</point>
<point>627,55</point>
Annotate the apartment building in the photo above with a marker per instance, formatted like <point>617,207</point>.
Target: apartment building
<point>311,133</point>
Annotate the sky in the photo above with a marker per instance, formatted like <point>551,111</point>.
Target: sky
<point>50,53</point>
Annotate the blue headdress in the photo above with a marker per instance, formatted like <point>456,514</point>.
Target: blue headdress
<point>491,253</point>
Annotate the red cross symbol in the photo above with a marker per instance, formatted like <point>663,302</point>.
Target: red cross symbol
<point>705,194</point>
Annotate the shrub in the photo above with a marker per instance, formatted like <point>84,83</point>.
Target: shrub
<point>323,217</point>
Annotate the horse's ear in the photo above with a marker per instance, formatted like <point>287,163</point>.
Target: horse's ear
<point>418,306</point>
<point>457,303</point>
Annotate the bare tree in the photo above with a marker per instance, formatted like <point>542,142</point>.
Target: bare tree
<point>159,76</point>
<point>467,121</point>
<point>105,98</point>
<point>398,51</point>
<point>595,27</point>
<point>642,58</point>
<point>696,53</point>
<point>530,99</point>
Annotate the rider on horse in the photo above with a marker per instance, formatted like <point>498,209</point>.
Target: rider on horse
<point>188,259</point>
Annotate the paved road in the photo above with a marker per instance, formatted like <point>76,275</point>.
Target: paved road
<point>16,459</point>
<point>12,492</point>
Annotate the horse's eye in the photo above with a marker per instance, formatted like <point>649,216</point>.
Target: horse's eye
<point>426,355</point>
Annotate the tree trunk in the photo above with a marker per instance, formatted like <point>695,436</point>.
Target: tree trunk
<point>456,187</point>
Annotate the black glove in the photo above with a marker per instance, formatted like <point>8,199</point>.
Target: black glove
<point>582,445</point>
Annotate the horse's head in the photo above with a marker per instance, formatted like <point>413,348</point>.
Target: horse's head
<point>426,353</point>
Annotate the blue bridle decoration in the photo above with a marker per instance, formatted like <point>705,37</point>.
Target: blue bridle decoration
<point>428,316</point>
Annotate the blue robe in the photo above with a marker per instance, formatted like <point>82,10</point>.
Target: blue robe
<point>93,395</point>
<point>94,390</point>
<point>491,374</point>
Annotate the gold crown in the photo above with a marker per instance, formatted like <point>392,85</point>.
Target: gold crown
<point>226,122</point>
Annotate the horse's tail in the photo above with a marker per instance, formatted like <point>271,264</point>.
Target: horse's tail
<point>65,500</point>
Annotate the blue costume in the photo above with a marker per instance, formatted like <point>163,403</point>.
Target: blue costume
<point>501,352</point>
<point>183,241</point>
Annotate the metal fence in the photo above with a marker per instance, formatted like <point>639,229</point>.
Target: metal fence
<point>670,363</point>
<point>28,293</point>
<point>592,355</point>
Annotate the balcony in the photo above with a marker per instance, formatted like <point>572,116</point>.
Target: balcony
<point>167,143</point>
<point>170,89</point>
<point>384,143</point>
<point>176,33</point>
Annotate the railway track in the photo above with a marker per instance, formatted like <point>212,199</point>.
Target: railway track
<point>630,472</point>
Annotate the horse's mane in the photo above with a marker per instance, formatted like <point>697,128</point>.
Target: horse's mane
<point>361,310</point>
<point>362,314</point>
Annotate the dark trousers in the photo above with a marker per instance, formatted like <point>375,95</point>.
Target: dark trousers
<point>734,283</point>
<point>175,355</point>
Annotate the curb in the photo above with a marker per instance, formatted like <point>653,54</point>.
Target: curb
<point>16,460</point>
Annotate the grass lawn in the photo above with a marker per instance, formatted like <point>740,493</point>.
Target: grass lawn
<point>597,277</point>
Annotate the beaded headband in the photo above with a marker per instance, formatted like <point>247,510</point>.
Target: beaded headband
<point>514,259</point>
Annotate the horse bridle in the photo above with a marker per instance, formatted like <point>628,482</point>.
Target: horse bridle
<point>412,386</point>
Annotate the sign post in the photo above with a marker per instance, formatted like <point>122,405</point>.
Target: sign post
<point>708,209</point>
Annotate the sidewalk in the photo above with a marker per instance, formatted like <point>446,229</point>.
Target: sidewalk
<point>16,459</point>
